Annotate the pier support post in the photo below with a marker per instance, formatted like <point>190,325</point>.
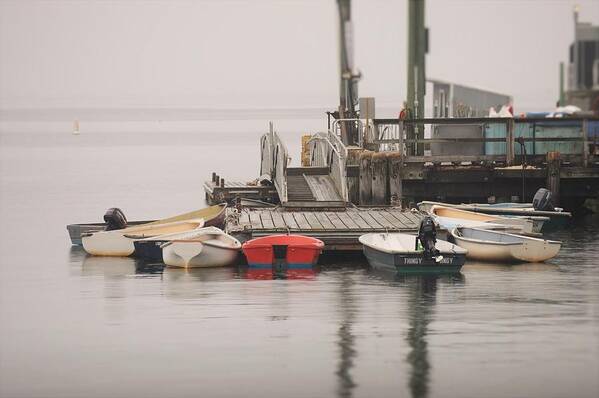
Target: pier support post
<point>395,179</point>
<point>366,178</point>
<point>553,175</point>
<point>380,179</point>
<point>353,174</point>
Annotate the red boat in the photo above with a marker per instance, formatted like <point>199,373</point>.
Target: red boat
<point>282,252</point>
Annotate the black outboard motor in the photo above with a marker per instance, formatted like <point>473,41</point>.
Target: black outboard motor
<point>427,236</point>
<point>542,200</point>
<point>115,219</point>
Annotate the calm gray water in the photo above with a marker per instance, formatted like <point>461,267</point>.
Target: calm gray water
<point>77,326</point>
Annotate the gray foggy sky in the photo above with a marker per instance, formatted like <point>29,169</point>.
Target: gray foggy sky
<point>270,53</point>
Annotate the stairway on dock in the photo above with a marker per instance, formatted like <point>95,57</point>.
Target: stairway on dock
<point>298,189</point>
<point>311,187</point>
<point>320,184</point>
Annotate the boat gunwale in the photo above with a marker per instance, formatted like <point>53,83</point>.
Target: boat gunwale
<point>237,244</point>
<point>524,238</point>
<point>314,245</point>
<point>312,242</point>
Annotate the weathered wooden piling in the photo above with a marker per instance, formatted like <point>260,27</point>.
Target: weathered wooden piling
<point>395,160</point>
<point>366,177</point>
<point>353,174</point>
<point>553,174</point>
<point>380,179</point>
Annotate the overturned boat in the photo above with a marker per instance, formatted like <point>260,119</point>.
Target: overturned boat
<point>496,246</point>
<point>205,247</point>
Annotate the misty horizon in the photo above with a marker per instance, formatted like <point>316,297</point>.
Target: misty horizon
<point>270,55</point>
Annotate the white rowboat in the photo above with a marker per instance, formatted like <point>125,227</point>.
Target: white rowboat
<point>210,247</point>
<point>498,246</point>
<point>450,217</point>
<point>120,242</point>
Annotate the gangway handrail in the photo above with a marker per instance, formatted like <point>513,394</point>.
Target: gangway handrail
<point>274,159</point>
<point>332,154</point>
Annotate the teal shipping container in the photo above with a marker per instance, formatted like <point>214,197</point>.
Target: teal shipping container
<point>556,128</point>
<point>495,130</point>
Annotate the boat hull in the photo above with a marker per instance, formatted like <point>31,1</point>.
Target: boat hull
<point>198,255</point>
<point>527,225</point>
<point>523,249</point>
<point>76,231</point>
<point>282,252</point>
<point>108,244</point>
<point>413,262</point>
<point>486,252</point>
<point>120,242</point>
<point>556,219</point>
<point>149,250</point>
<point>214,216</point>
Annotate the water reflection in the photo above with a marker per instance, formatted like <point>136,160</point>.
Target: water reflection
<point>421,302</point>
<point>346,342</point>
<point>524,267</point>
<point>270,274</point>
<point>109,267</point>
<point>194,283</point>
<point>421,305</point>
<point>193,275</point>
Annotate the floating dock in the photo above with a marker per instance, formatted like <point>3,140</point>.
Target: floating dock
<point>338,229</point>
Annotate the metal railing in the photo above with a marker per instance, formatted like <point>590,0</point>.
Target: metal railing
<point>505,140</point>
<point>350,124</point>
<point>327,150</point>
<point>274,159</point>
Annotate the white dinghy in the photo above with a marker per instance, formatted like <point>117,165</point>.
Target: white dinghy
<point>120,242</point>
<point>209,247</point>
<point>451,218</point>
<point>496,246</point>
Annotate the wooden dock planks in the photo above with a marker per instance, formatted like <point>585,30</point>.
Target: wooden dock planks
<point>290,221</point>
<point>339,230</point>
<point>324,220</point>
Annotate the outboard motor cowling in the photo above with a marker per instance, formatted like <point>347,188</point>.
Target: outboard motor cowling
<point>542,200</point>
<point>115,219</point>
<point>427,236</point>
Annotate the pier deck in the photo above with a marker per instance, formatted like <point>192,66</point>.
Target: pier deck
<point>339,230</point>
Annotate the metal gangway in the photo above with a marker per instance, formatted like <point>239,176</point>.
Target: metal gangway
<point>323,183</point>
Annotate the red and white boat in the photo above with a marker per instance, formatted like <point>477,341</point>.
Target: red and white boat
<point>283,251</point>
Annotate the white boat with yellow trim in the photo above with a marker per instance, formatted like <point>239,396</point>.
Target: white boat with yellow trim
<point>449,217</point>
<point>120,242</point>
<point>496,246</point>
